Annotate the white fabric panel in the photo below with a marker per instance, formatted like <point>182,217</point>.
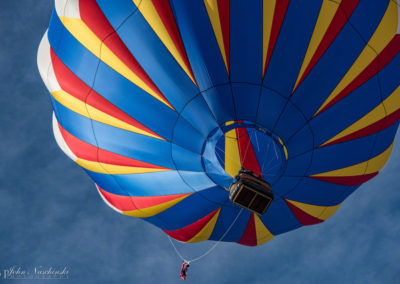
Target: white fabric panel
<point>68,8</point>
<point>60,140</point>
<point>45,66</point>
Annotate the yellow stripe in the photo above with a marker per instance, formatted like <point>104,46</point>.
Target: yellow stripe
<point>114,169</point>
<point>326,14</point>
<point>262,233</point>
<point>90,112</point>
<point>368,167</point>
<point>320,212</point>
<point>149,12</point>
<point>232,157</point>
<point>89,40</point>
<point>284,148</point>
<point>206,231</point>
<point>268,17</point>
<point>382,36</point>
<point>389,105</point>
<point>213,14</point>
<point>154,210</point>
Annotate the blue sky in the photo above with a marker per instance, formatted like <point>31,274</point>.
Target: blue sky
<point>52,216</point>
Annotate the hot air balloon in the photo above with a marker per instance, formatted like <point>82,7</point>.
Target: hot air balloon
<point>163,102</point>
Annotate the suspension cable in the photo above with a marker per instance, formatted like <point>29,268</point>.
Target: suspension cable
<point>210,249</point>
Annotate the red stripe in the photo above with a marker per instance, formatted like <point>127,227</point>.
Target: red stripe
<point>89,152</point>
<point>224,15</point>
<point>188,232</point>
<point>249,237</point>
<point>279,14</point>
<point>371,129</point>
<point>304,218</point>
<point>149,201</point>
<point>123,203</point>
<point>71,84</point>
<point>343,12</point>
<point>80,148</point>
<point>347,180</point>
<point>248,157</point>
<point>387,54</point>
<point>67,80</point>
<point>129,203</point>
<point>167,17</point>
<point>94,18</point>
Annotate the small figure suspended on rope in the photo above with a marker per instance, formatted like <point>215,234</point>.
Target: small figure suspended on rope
<point>184,268</point>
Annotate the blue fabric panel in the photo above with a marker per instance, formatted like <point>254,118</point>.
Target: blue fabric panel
<point>290,121</point>
<point>220,101</point>
<point>111,85</point>
<point>297,166</point>
<point>200,43</point>
<point>367,16</point>
<point>388,76</point>
<point>279,218</point>
<point>291,45</point>
<point>346,112</point>
<point>147,184</point>
<point>316,192</point>
<point>199,116</point>
<point>134,101</point>
<point>219,195</point>
<point>157,61</point>
<point>225,219</point>
<point>117,11</point>
<point>197,180</point>
<point>186,212</point>
<point>210,161</point>
<point>384,139</point>
<point>184,159</point>
<point>341,155</point>
<point>186,136</point>
<point>351,108</point>
<point>130,144</point>
<point>110,183</point>
<point>74,123</point>
<point>301,142</point>
<point>329,71</point>
<point>220,151</point>
<point>116,140</point>
<point>270,156</point>
<point>200,183</point>
<point>285,184</point>
<point>353,152</point>
<point>74,55</point>
<point>246,98</point>
<point>270,107</point>
<point>246,23</point>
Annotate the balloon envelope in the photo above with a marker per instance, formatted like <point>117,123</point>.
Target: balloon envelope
<point>162,102</point>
